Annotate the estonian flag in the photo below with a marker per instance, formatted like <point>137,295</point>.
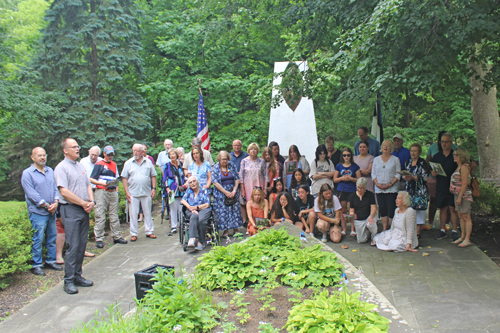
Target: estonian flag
<point>377,128</point>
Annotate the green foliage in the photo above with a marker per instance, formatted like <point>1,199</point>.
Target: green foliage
<point>264,258</point>
<point>339,312</point>
<point>487,203</point>
<point>16,238</point>
<point>171,306</point>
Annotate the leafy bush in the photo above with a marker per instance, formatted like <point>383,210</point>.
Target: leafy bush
<point>171,306</point>
<point>341,312</point>
<point>487,203</point>
<point>269,255</point>
<point>16,238</point>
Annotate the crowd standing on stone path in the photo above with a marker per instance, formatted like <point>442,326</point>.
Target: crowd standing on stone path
<point>321,197</point>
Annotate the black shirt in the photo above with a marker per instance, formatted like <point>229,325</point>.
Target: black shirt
<point>300,206</point>
<point>362,208</point>
<point>335,158</point>
<point>449,166</point>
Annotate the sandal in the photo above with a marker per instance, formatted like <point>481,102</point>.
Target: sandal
<point>342,233</point>
<point>152,236</point>
<point>88,254</point>
<point>458,241</point>
<point>60,262</point>
<point>353,233</point>
<point>465,244</point>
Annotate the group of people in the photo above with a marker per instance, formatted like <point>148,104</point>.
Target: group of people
<point>252,188</point>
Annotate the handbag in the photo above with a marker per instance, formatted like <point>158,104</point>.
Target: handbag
<point>474,187</point>
<point>230,201</point>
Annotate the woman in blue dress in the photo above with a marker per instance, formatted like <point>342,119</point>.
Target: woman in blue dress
<point>226,182</point>
<point>200,169</point>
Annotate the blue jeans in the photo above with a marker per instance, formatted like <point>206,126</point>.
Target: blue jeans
<point>43,225</point>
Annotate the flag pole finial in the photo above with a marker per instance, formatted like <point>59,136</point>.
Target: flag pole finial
<point>199,84</point>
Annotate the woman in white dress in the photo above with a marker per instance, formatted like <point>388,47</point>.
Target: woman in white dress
<point>402,236</point>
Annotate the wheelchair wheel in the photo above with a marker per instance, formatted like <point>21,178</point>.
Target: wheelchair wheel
<point>185,236</point>
<point>180,223</point>
<point>215,234</point>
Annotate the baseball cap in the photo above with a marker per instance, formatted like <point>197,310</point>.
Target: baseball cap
<point>109,150</point>
<point>399,136</point>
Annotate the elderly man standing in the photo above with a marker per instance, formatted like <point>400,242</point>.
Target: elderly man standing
<point>444,198</point>
<point>42,200</point>
<point>90,161</point>
<point>139,183</point>
<point>77,201</point>
<point>163,158</point>
<point>402,153</point>
<point>188,158</point>
<point>106,197</point>
<point>373,145</point>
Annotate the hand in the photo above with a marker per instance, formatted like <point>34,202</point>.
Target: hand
<point>52,208</point>
<point>459,201</point>
<point>229,194</point>
<point>89,207</point>
<point>153,192</point>
<point>206,186</point>
<point>169,191</point>
<point>300,214</point>
<point>434,173</point>
<point>129,197</point>
<point>408,178</point>
<point>408,248</point>
<point>370,220</point>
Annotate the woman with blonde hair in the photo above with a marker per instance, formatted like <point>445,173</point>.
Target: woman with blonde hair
<point>257,207</point>
<point>253,172</point>
<point>459,186</point>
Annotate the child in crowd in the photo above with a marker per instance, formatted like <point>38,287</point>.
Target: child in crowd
<point>327,208</point>
<point>298,178</point>
<point>278,187</point>
<point>283,209</point>
<point>304,209</point>
<point>257,207</point>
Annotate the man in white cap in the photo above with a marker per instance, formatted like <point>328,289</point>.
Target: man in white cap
<point>402,153</point>
<point>105,176</point>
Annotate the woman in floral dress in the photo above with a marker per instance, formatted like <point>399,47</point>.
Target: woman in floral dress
<point>253,172</point>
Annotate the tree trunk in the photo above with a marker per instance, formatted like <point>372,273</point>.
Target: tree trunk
<point>407,102</point>
<point>486,122</point>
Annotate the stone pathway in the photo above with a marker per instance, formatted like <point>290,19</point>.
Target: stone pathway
<point>449,290</point>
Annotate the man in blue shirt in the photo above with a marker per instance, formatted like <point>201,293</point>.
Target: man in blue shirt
<point>237,155</point>
<point>42,199</point>
<point>373,145</point>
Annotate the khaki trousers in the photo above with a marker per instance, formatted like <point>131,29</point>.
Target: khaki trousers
<point>106,201</point>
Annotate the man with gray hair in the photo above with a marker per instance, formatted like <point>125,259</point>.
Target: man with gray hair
<point>77,201</point>
<point>188,159</point>
<point>139,183</point>
<point>90,161</point>
<point>163,158</point>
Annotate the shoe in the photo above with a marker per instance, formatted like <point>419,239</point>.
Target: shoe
<point>99,244</point>
<point>323,239</point>
<point>174,230</point>
<point>133,238</point>
<point>454,236</point>
<point>199,247</point>
<point>191,242</point>
<point>82,282</point>
<point>440,235</point>
<point>465,244</point>
<point>37,271</point>
<point>120,241</point>
<point>353,233</point>
<point>458,241</point>
<point>70,288</point>
<point>427,227</point>
<point>60,262</point>
<point>152,236</point>
<point>342,233</point>
<point>53,266</point>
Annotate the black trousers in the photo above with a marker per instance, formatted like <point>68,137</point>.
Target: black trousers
<point>76,229</point>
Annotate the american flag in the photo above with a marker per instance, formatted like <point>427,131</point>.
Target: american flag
<point>203,133</point>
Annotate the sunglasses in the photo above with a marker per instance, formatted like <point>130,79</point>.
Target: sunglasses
<point>347,155</point>
<point>278,178</point>
<point>257,187</point>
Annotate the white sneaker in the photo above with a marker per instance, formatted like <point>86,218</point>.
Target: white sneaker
<point>323,239</point>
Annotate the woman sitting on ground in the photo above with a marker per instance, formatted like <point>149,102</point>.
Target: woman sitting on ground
<point>298,179</point>
<point>402,236</point>
<point>300,163</point>
<point>226,183</point>
<point>173,178</point>
<point>197,201</point>
<point>327,207</point>
<point>304,209</point>
<point>283,209</point>
<point>463,195</point>
<point>346,174</point>
<point>363,205</point>
<point>200,168</point>
<point>257,207</point>
<point>322,170</point>
<point>416,184</point>
<point>278,187</point>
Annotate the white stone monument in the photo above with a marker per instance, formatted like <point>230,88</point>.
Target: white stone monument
<point>298,127</point>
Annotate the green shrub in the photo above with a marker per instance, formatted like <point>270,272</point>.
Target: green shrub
<point>341,312</point>
<point>16,238</point>
<point>488,201</point>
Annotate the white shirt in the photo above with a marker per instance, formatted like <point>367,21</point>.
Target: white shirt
<point>329,211</point>
<point>385,173</point>
<point>162,160</point>
<point>89,166</point>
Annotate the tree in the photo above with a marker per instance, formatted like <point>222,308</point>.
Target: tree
<point>92,54</point>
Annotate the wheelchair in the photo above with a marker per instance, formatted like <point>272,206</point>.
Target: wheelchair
<point>212,237</point>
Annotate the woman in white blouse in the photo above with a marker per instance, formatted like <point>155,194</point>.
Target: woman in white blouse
<point>386,179</point>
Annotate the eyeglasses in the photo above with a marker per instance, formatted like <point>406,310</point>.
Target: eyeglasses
<point>257,187</point>
<point>75,147</point>
<point>360,188</point>
<point>347,155</point>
